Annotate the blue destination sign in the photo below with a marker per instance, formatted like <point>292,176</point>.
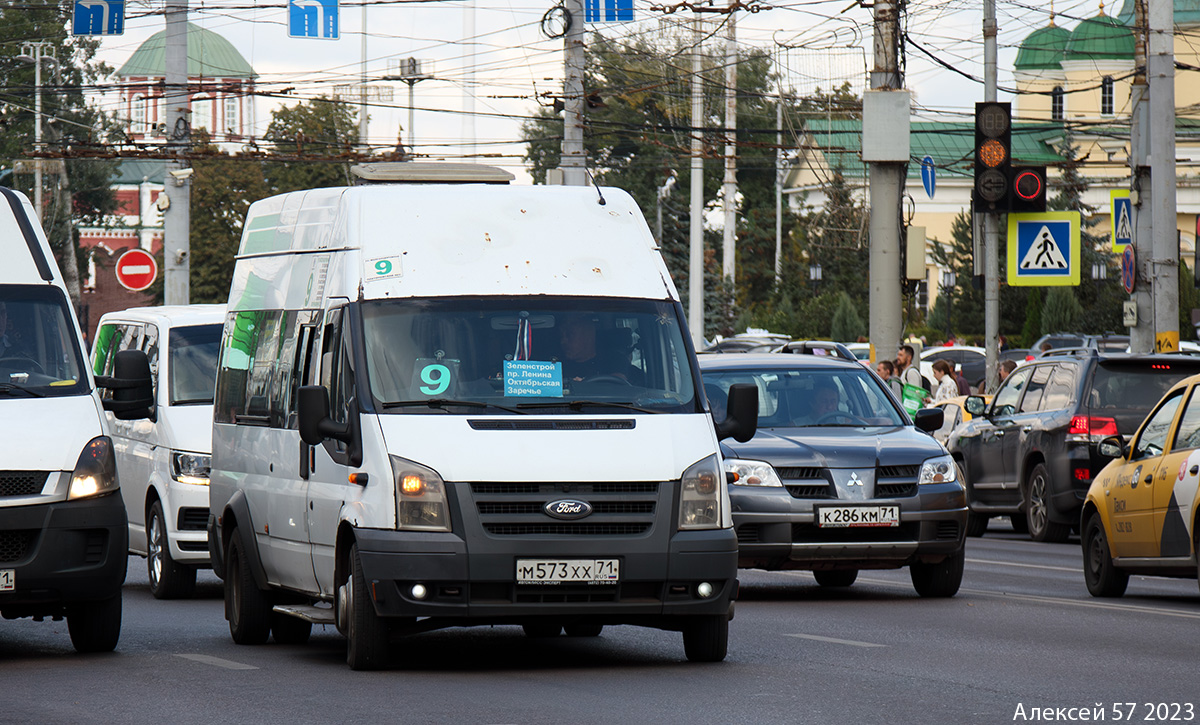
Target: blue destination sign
<point>532,378</point>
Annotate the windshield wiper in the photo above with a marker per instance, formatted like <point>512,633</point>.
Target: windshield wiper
<point>579,404</point>
<point>11,388</point>
<point>440,403</point>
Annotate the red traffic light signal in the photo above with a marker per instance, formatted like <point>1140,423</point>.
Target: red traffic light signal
<point>1027,189</point>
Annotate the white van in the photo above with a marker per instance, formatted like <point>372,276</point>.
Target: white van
<point>446,404</point>
<point>62,524</point>
<point>163,461</point>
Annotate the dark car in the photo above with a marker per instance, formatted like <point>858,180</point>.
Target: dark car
<point>1031,453</point>
<point>838,478</point>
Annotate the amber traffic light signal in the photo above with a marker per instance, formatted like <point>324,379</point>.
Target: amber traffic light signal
<point>993,156</point>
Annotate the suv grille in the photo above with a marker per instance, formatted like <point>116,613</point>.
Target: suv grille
<point>15,544</point>
<point>21,483</point>
<point>517,509</point>
<point>890,482</point>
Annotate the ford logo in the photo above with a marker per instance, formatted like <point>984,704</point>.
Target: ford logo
<point>567,509</point>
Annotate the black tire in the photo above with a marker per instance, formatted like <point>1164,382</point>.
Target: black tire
<point>584,630</point>
<point>1019,523</point>
<point>542,630</point>
<point>246,606</point>
<point>707,638</point>
<point>977,524</point>
<point>289,630</point>
<point>168,578</point>
<point>843,578</point>
<point>367,635</point>
<point>941,579</point>
<point>95,626</point>
<point>1037,508</point>
<point>1103,578</point>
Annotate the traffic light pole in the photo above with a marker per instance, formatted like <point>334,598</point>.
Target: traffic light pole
<point>991,221</point>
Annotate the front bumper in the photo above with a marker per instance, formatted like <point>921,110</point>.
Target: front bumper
<point>777,531</point>
<point>62,553</point>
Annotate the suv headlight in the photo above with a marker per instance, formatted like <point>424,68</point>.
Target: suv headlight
<point>938,470</point>
<point>420,497</point>
<point>752,473</point>
<point>190,467</point>
<point>701,495</point>
<point>96,470</point>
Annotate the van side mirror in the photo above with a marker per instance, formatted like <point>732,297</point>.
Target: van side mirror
<point>1112,447</point>
<point>312,413</point>
<point>975,405</point>
<point>741,417</point>
<point>929,419</point>
<point>132,387</point>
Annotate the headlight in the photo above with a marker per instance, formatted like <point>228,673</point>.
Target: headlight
<point>420,497</point>
<point>938,470</point>
<point>96,471</point>
<point>190,467</point>
<point>700,495</point>
<point>752,473</point>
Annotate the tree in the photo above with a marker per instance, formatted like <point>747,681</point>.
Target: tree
<point>847,325</point>
<point>1032,328</point>
<point>319,128</point>
<point>1061,310</point>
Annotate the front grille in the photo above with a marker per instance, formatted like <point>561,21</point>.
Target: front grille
<point>899,471</point>
<point>563,489</point>
<point>15,544</point>
<point>790,473</point>
<point>543,424</point>
<point>22,483</point>
<point>518,509</point>
<point>811,490</point>
<point>192,519</point>
<point>895,490</point>
<point>811,534</point>
<point>567,529</point>
<point>603,507</point>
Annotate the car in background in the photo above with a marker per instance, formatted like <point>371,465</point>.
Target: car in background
<point>163,462</point>
<point>835,486</point>
<point>1031,453</point>
<point>968,360</point>
<point>861,350</point>
<point>820,348</point>
<point>1104,343</point>
<point>760,341</point>
<point>953,415</point>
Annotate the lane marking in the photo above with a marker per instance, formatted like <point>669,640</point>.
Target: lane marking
<point>850,642</point>
<point>218,662</point>
<point>1075,570</point>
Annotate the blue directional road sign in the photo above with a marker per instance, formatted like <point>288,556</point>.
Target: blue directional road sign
<point>313,19</point>
<point>1122,220</point>
<point>1044,249</point>
<point>98,17</point>
<point>929,175</point>
<point>595,11</point>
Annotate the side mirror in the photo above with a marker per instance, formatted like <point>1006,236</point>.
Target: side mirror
<point>132,387</point>
<point>741,417</point>
<point>1111,447</point>
<point>312,413</point>
<point>975,405</point>
<point>929,419</point>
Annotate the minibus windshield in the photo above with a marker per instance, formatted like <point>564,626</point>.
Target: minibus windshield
<point>39,348</point>
<point>535,355</point>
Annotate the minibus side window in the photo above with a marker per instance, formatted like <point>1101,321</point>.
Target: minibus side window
<point>150,347</point>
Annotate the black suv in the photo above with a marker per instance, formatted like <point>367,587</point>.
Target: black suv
<point>1031,453</point>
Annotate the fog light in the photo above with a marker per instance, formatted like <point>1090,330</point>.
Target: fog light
<point>419,591</point>
<point>704,590</point>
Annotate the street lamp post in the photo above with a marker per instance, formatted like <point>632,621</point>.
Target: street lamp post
<point>814,275</point>
<point>948,281</point>
<point>411,73</point>
<point>36,52</point>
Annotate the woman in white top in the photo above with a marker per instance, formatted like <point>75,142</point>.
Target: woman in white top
<point>947,387</point>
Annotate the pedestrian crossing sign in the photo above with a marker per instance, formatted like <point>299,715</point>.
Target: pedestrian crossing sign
<point>1122,220</point>
<point>1044,249</point>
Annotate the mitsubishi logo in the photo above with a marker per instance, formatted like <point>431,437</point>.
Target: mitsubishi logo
<point>854,480</point>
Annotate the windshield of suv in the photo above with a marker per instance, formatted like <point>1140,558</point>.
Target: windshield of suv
<point>39,348</point>
<point>796,398</point>
<point>193,368</point>
<point>471,355</point>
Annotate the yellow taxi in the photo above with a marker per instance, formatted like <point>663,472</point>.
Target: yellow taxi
<point>954,414</point>
<point>1139,516</point>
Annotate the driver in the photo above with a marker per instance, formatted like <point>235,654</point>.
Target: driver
<point>10,340</point>
<point>581,361</point>
<point>825,401</point>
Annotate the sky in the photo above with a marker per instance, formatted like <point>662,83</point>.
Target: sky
<point>817,43</point>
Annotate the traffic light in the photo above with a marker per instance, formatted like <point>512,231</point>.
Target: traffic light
<point>993,156</point>
<point>1027,192</point>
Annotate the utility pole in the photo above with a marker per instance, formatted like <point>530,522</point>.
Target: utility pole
<point>886,109</point>
<point>1160,63</point>
<point>729,187</point>
<point>1141,335</point>
<point>35,52</point>
<point>696,230</point>
<point>468,121</point>
<point>574,160</point>
<point>177,181</point>
<point>991,220</point>
<point>362,90</point>
<point>779,187</point>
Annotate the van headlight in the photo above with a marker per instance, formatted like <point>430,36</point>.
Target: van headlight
<point>190,467</point>
<point>700,495</point>
<point>420,497</point>
<point>938,470</point>
<point>752,473</point>
<point>96,470</point>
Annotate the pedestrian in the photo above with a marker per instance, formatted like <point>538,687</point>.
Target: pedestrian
<point>964,388</point>
<point>1005,369</point>
<point>905,367</point>
<point>946,387</point>
<point>887,371</point>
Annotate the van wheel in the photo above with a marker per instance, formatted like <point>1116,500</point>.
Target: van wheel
<point>246,606</point>
<point>977,524</point>
<point>95,626</point>
<point>289,630</point>
<point>1037,508</point>
<point>1103,578</point>
<point>836,578</point>
<point>168,578</point>
<point>366,632</point>
<point>941,579</point>
<point>542,630</point>
<point>584,630</point>
<point>707,638</point>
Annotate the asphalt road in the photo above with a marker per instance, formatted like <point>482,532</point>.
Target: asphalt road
<point>1022,633</point>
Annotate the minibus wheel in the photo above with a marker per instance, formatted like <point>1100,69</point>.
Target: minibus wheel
<point>246,607</point>
<point>366,632</point>
<point>707,638</point>
<point>95,626</point>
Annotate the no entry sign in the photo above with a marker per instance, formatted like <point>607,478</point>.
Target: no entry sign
<point>136,270</point>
